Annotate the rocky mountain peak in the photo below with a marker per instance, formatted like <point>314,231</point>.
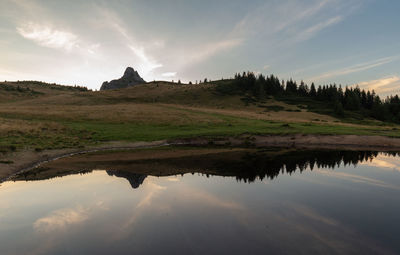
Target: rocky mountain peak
<point>130,78</point>
<point>130,72</point>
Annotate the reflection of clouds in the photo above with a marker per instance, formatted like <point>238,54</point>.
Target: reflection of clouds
<point>384,162</point>
<point>278,222</point>
<point>155,189</point>
<point>211,200</point>
<point>311,214</point>
<point>138,210</point>
<point>356,178</point>
<point>63,218</point>
<point>185,193</point>
<point>303,224</point>
<point>173,179</point>
<point>60,219</point>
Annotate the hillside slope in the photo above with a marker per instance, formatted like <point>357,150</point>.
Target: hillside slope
<point>38,116</point>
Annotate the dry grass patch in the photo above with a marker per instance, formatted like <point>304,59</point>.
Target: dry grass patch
<point>118,113</point>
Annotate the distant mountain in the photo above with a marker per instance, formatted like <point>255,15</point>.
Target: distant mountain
<point>130,78</point>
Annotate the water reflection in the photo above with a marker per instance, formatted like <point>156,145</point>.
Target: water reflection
<point>134,179</point>
<point>309,209</point>
<point>246,166</point>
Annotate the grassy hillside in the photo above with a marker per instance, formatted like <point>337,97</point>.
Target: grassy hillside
<point>38,116</point>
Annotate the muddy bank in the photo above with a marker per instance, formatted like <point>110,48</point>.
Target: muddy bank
<point>27,160</point>
<point>346,142</point>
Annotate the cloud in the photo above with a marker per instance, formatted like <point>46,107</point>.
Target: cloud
<point>266,67</point>
<point>169,74</point>
<point>151,47</point>
<point>291,21</point>
<point>210,49</point>
<point>383,86</point>
<point>353,69</point>
<point>147,63</point>
<point>9,75</point>
<point>92,49</point>
<point>48,37</point>
<point>311,31</point>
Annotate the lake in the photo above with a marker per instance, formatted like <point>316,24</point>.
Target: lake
<point>304,202</point>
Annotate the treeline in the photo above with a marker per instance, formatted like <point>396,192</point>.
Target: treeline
<point>367,103</point>
<point>18,88</point>
<point>26,84</point>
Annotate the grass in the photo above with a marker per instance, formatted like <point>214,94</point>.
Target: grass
<point>56,117</point>
<point>142,132</point>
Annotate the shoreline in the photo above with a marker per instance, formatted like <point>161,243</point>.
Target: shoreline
<point>35,159</point>
<point>28,160</point>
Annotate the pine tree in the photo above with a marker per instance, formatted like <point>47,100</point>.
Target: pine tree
<point>339,111</point>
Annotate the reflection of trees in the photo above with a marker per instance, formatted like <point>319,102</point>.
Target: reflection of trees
<point>39,174</point>
<point>244,165</point>
<point>260,165</point>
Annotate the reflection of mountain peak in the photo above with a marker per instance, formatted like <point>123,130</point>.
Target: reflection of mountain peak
<point>134,179</point>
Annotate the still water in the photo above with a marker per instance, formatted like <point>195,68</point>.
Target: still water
<point>344,206</point>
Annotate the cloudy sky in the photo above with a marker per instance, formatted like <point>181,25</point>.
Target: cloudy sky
<point>88,42</point>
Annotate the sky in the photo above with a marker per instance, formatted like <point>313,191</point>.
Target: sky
<point>87,42</point>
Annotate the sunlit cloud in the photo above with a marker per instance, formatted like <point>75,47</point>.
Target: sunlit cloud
<point>117,34</point>
<point>48,37</point>
<point>383,86</point>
